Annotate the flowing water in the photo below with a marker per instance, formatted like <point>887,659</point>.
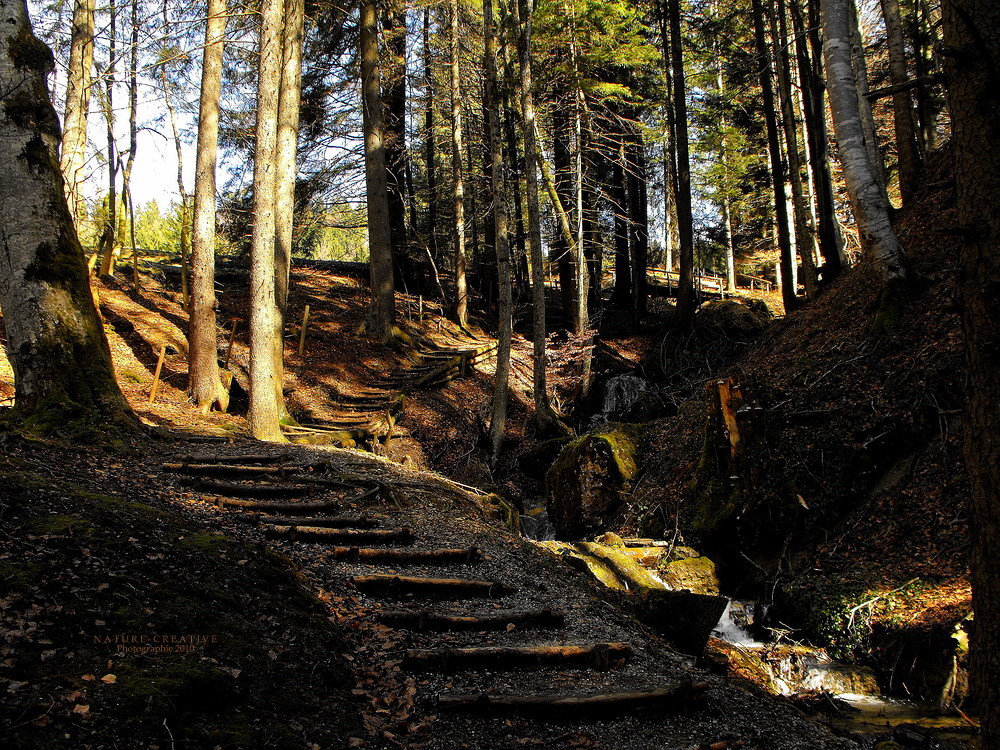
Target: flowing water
<point>795,670</point>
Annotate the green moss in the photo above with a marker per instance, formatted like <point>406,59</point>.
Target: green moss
<point>24,110</point>
<point>61,525</point>
<point>21,577</point>
<point>169,688</point>
<point>205,542</point>
<point>28,52</point>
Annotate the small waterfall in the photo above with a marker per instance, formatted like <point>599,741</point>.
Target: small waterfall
<point>789,669</point>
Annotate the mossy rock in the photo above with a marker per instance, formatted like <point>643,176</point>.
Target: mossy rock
<point>538,459</point>
<point>695,574</point>
<point>586,484</point>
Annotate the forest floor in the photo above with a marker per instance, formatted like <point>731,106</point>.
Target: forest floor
<point>98,542</point>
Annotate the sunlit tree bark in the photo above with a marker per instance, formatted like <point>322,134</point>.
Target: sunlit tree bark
<point>78,83</point>
<point>55,340</point>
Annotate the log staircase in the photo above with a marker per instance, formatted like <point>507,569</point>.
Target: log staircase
<point>440,602</point>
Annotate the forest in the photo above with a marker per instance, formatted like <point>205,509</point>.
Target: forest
<point>500,373</point>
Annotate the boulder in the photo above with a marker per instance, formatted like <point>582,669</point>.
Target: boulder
<point>585,485</point>
<point>695,574</point>
<point>735,320</point>
<point>684,618</point>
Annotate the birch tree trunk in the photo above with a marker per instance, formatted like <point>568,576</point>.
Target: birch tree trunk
<point>55,340</point>
<point>868,198</point>
<point>501,232</point>
<point>860,66</point>
<point>78,83</point>
<point>382,314</point>
<point>458,185</point>
<point>265,411</point>
<point>204,383</point>
<point>972,62</point>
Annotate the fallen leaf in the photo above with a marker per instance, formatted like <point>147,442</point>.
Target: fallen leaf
<point>108,679</point>
<point>81,709</point>
<point>88,678</point>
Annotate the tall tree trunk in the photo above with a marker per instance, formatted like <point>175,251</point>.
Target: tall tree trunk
<point>289,97</point>
<point>860,66</point>
<point>685,218</point>
<point>786,258</point>
<point>54,337</point>
<point>430,157</point>
<point>924,41</point>
<point>382,314</point>
<point>809,55</point>
<point>638,224</point>
<point>867,196</point>
<point>184,239</point>
<point>501,232</point>
<point>543,410</point>
<point>109,234</point>
<point>562,202</point>
<point>972,54</point>
<point>265,411</point>
<point>622,292</point>
<point>133,132</point>
<point>907,151</point>
<point>395,140</point>
<point>286,156</point>
<point>78,82</point>
<point>805,238</point>
<point>458,184</point>
<point>204,382</point>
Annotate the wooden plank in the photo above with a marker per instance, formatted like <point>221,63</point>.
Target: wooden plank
<point>673,698</point>
<point>270,506</point>
<point>591,656</point>
<point>452,588</point>
<point>251,490</point>
<point>225,469</point>
<point>406,556</point>
<point>339,536</point>
<point>424,620</point>
<point>252,458</point>
<point>333,522</point>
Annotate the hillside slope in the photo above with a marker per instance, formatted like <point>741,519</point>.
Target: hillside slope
<point>846,501</point>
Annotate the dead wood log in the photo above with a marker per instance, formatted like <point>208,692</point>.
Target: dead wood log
<point>450,588</point>
<point>225,469</point>
<point>250,458</point>
<point>675,697</point>
<point>405,556</point>
<point>266,506</point>
<point>252,490</point>
<point>333,522</point>
<point>342,536</point>
<point>602,656</point>
<point>424,620</point>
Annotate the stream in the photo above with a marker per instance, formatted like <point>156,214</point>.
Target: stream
<point>847,696</point>
<point>854,701</point>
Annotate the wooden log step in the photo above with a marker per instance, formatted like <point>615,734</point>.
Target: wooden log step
<point>251,458</point>
<point>592,656</point>
<point>405,556</point>
<point>339,536</point>
<point>424,620</point>
<point>252,490</point>
<point>225,469</point>
<point>450,588</point>
<point>331,522</point>
<point>678,697</point>
<point>273,506</point>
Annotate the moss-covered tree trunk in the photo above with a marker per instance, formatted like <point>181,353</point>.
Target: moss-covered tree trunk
<point>55,341</point>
